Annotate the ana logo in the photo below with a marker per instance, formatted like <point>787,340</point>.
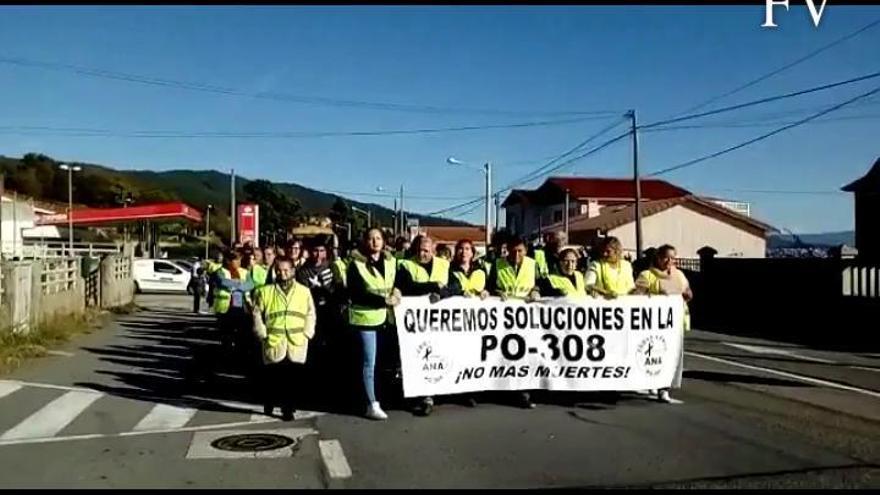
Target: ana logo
<point>649,354</point>
<point>433,365</point>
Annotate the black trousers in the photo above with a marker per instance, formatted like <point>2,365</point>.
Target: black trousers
<point>282,384</point>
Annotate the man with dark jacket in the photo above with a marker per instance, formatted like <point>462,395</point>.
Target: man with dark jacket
<point>317,275</point>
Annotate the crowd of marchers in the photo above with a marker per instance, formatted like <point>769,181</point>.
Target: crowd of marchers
<point>284,308</point>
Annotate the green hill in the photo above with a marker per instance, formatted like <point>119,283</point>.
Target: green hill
<point>38,176</point>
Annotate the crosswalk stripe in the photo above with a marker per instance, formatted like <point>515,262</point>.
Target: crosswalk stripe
<point>164,416</point>
<point>53,417</point>
<point>8,388</point>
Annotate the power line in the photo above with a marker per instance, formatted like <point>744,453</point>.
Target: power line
<point>744,125</point>
<point>539,171</point>
<point>389,195</point>
<point>286,97</point>
<point>557,167</point>
<point>783,68</point>
<point>761,101</point>
<point>765,136</point>
<point>85,132</point>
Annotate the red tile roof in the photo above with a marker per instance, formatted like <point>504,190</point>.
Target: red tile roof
<point>612,217</point>
<point>451,235</point>
<point>594,187</point>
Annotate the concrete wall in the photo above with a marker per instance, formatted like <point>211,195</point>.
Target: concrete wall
<point>689,231</point>
<point>116,288</point>
<point>45,307</point>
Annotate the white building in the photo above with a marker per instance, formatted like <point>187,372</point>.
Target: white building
<point>17,217</point>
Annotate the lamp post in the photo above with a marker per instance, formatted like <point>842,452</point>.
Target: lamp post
<point>487,169</point>
<point>70,170</point>
<point>207,227</point>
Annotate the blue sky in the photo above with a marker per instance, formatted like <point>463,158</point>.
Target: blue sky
<point>658,60</point>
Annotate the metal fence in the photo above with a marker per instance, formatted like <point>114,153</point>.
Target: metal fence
<point>59,275</point>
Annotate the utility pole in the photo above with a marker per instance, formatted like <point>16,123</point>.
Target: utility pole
<point>402,216</point>
<point>396,219</point>
<point>488,169</point>
<point>565,213</point>
<point>207,228</point>
<point>232,212</point>
<point>637,182</point>
<point>497,212</point>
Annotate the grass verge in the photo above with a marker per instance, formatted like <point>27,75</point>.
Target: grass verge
<point>16,348</point>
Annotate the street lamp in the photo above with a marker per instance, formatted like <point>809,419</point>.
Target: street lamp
<point>70,170</point>
<point>398,216</point>
<point>207,228</point>
<point>487,169</point>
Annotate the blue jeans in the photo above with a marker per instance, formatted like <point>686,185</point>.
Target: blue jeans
<point>368,339</point>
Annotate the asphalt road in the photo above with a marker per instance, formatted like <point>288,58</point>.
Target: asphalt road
<point>124,407</point>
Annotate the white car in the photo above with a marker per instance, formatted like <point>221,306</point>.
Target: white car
<point>154,275</point>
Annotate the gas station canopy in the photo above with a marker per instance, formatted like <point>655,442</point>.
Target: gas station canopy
<point>100,216</point>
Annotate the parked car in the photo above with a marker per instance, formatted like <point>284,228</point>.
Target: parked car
<point>158,275</point>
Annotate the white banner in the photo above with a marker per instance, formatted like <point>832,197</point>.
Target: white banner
<point>466,345</point>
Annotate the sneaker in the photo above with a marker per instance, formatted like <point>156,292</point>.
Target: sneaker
<point>470,402</point>
<point>287,414</point>
<point>374,411</point>
<point>268,410</point>
<point>663,396</point>
<point>425,407</point>
<point>525,401</point>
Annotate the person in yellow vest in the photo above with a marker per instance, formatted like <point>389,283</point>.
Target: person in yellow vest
<point>371,291</point>
<point>232,302</point>
<point>425,274</point>
<point>284,322</point>
<point>262,270</point>
<point>515,277</point>
<point>211,268</point>
<point>564,280</point>
<point>665,278</point>
<point>471,277</point>
<point>611,275</point>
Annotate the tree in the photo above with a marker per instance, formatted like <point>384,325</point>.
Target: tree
<point>277,210</point>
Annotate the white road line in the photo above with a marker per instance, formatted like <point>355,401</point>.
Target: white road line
<point>334,459</point>
<point>53,417</point>
<point>7,388</point>
<point>60,353</point>
<point>757,349</point>
<point>802,378</point>
<point>675,401</point>
<point>129,433</point>
<point>876,370</point>
<point>46,385</point>
<point>165,416</point>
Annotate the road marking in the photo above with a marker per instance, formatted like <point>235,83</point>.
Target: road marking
<point>7,388</point>
<point>876,370</point>
<point>757,349</point>
<point>802,378</point>
<point>53,417</point>
<point>45,385</point>
<point>334,459</point>
<point>130,433</point>
<point>60,353</point>
<point>165,416</point>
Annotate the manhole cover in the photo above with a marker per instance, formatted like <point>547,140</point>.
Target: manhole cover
<point>253,442</point>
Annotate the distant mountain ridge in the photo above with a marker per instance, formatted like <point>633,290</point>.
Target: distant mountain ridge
<point>825,239</point>
<point>96,185</point>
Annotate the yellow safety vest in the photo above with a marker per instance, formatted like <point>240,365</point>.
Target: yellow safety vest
<point>439,271</point>
<point>541,262</point>
<point>373,317</point>
<point>473,284</point>
<point>212,266</point>
<point>617,281</point>
<point>339,267</point>
<point>515,284</point>
<point>654,288</point>
<point>259,273</point>
<point>222,297</point>
<point>284,314</point>
<point>563,283</point>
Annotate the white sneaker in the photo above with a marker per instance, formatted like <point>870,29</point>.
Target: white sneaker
<point>663,396</point>
<point>374,411</point>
